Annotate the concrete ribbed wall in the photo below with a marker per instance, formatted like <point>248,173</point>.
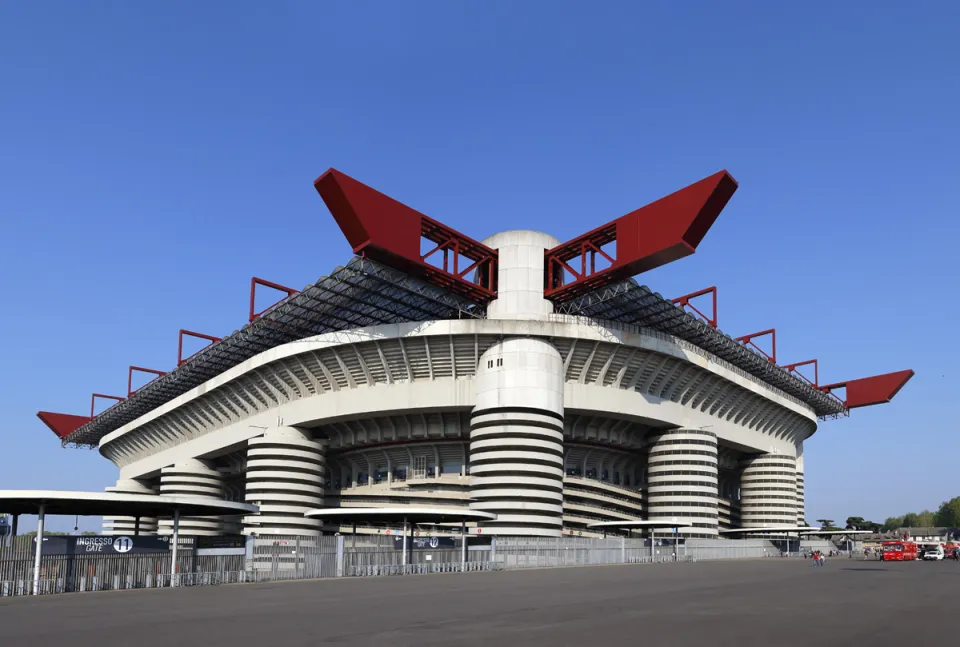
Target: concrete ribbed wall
<point>682,480</point>
<point>285,477</point>
<point>768,491</point>
<point>516,438</point>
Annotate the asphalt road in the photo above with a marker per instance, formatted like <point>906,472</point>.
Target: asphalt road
<point>763,602</point>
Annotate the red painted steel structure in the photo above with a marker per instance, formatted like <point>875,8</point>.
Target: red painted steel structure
<point>868,391</point>
<point>659,233</point>
<point>792,368</point>
<point>747,340</point>
<point>254,282</point>
<point>390,232</point>
<point>93,401</point>
<point>140,369</point>
<point>684,302</point>
<point>62,424</point>
<point>189,333</point>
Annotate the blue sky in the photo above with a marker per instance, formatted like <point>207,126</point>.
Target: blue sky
<point>155,156</point>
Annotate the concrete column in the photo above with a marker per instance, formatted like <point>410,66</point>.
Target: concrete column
<point>286,469</point>
<point>801,495</point>
<point>128,525</point>
<point>516,438</point>
<point>520,275</point>
<point>682,480</point>
<point>768,491</point>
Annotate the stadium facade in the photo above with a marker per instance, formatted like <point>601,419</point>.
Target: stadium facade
<point>518,375</point>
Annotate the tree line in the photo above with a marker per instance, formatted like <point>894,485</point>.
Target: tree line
<point>947,516</point>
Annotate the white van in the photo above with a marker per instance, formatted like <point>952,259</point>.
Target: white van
<point>933,553</point>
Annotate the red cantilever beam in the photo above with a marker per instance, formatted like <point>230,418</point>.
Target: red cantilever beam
<point>659,233</point>
<point>93,401</point>
<point>140,369</point>
<point>792,368</point>
<point>62,424</point>
<point>189,333</point>
<point>747,340</point>
<point>867,391</point>
<point>684,302</point>
<point>254,282</point>
<point>390,232</point>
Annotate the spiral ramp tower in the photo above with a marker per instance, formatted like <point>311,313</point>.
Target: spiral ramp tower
<point>285,478</point>
<point>516,438</point>
<point>682,480</point>
<point>768,491</point>
<point>130,525</point>
<point>193,478</point>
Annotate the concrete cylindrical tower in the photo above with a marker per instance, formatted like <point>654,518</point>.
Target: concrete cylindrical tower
<point>193,478</point>
<point>801,495</point>
<point>682,480</point>
<point>516,438</point>
<point>768,491</point>
<point>285,477</point>
<point>128,525</point>
<point>520,276</point>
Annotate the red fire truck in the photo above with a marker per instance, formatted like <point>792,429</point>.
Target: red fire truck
<point>899,551</point>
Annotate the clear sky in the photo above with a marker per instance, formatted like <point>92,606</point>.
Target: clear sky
<point>155,156</point>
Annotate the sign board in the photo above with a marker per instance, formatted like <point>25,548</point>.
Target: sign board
<point>425,543</point>
<point>226,541</point>
<point>103,545</point>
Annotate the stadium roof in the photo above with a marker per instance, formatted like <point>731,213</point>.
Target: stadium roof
<point>630,303</point>
<point>366,293</point>
<point>362,293</point>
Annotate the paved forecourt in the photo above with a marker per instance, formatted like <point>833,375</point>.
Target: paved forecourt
<point>742,603</point>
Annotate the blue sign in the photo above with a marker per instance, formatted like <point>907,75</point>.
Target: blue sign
<point>4,527</point>
<point>103,545</point>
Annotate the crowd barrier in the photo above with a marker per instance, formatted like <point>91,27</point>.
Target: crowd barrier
<point>278,558</point>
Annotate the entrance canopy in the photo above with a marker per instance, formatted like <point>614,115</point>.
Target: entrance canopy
<point>654,524</point>
<point>396,513</point>
<point>115,504</point>
<point>769,530</point>
<point>44,502</point>
<point>838,533</point>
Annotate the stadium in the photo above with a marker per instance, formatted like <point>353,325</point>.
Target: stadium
<point>520,375</point>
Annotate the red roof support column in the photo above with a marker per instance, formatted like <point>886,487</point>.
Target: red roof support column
<point>62,424</point>
<point>154,372</point>
<point>747,340</point>
<point>93,401</point>
<point>684,302</point>
<point>792,368</point>
<point>867,391</point>
<point>189,333</point>
<point>390,232</point>
<point>659,233</point>
<point>254,282</point>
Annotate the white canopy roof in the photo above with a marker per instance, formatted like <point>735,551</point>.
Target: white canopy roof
<point>413,514</point>
<point>652,524</point>
<point>115,504</point>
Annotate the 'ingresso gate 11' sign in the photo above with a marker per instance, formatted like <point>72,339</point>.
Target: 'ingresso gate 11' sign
<point>104,545</point>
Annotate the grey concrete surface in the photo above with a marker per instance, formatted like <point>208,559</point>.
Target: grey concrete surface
<point>771,602</point>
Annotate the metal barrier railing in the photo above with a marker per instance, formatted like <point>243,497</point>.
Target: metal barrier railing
<point>270,559</point>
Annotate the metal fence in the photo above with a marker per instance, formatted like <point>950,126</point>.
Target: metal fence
<point>274,558</point>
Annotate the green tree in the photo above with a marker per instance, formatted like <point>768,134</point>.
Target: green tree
<point>825,524</point>
<point>892,523</point>
<point>949,513</point>
<point>856,523</point>
<point>925,519</point>
<point>910,520</point>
